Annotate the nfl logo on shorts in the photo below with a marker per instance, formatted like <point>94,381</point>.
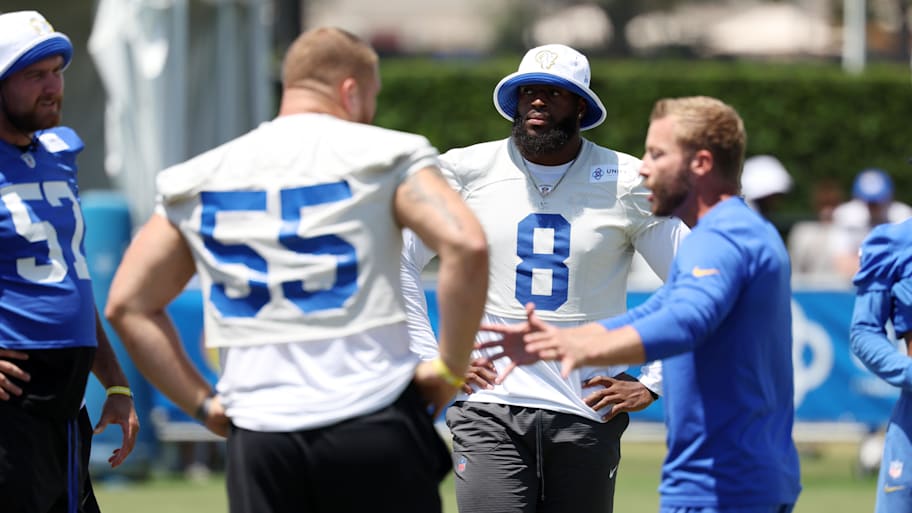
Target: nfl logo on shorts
<point>895,469</point>
<point>461,464</point>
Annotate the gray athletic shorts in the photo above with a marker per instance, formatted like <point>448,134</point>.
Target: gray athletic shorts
<point>511,459</point>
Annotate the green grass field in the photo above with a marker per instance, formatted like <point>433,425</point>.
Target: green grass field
<point>828,476</point>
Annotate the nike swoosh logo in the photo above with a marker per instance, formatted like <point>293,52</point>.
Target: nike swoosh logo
<point>699,272</point>
<point>612,472</point>
<point>891,489</point>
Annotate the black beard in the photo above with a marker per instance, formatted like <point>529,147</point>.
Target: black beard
<point>29,123</point>
<point>549,142</point>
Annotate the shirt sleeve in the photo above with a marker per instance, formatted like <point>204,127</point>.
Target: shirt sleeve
<point>870,342</point>
<point>415,256</point>
<point>882,295</point>
<point>654,244</point>
<point>651,376</point>
<point>659,243</point>
<point>708,272</point>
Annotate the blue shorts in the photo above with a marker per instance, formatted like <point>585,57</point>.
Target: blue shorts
<point>894,483</point>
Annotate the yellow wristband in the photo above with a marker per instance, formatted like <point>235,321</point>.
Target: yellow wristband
<point>118,390</point>
<point>444,372</point>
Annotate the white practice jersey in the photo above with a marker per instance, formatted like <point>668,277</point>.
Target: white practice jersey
<point>296,245</point>
<point>568,251</point>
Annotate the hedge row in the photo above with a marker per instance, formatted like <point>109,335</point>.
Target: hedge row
<point>820,122</point>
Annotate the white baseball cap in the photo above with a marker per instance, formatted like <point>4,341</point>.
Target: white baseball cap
<point>763,176</point>
<point>555,65</point>
<point>26,38</point>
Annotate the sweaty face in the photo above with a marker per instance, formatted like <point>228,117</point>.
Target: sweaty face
<point>665,167</point>
<point>32,98</point>
<point>547,117</point>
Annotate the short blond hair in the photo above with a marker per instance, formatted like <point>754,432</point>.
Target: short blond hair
<point>328,55</point>
<point>703,122</point>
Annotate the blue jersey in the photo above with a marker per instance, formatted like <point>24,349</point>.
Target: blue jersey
<point>722,325</point>
<point>884,296</point>
<point>46,297</point>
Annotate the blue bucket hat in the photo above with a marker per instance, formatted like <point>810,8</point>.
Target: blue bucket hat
<point>26,37</point>
<point>873,186</point>
<point>555,65</point>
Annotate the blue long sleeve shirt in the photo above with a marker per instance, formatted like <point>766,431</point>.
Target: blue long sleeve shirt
<point>722,325</point>
<point>884,294</point>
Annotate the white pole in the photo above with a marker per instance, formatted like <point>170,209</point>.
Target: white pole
<point>853,36</point>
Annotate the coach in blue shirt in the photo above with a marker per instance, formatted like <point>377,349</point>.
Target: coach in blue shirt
<point>721,325</point>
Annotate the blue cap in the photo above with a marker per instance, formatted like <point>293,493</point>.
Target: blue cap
<point>26,38</point>
<point>873,186</point>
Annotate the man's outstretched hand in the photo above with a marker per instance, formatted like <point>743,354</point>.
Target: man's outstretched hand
<point>512,342</point>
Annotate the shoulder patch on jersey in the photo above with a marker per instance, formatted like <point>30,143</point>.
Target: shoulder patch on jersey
<point>53,143</point>
<point>603,173</point>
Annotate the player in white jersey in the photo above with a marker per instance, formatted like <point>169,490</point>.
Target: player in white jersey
<point>563,217</point>
<point>294,231</point>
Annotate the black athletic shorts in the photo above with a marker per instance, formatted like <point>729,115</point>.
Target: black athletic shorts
<point>46,436</point>
<point>391,460</point>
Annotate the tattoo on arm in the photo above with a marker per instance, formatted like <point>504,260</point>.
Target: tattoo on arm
<point>418,195</point>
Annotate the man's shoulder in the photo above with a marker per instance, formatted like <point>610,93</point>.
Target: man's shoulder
<point>60,139</point>
<point>480,151</point>
<point>616,165</point>
<point>885,254</point>
<point>474,162</point>
<point>350,132</point>
<point>605,153</point>
<point>851,214</point>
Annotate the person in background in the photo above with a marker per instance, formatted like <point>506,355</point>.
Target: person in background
<point>722,325</point>
<point>883,297</point>
<point>51,336</point>
<point>563,217</point>
<point>811,243</point>
<point>294,231</point>
<point>872,204</point>
<point>764,181</point>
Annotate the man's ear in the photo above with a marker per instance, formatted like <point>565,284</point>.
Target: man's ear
<point>349,97</point>
<point>702,162</point>
<point>582,108</point>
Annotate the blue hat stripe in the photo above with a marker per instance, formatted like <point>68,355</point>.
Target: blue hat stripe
<point>56,45</point>
<point>507,95</point>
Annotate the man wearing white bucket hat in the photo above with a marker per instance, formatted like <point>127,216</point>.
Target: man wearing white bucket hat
<point>563,217</point>
<point>50,333</point>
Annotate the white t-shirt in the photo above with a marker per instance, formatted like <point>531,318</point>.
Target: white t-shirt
<point>296,246</point>
<point>568,251</point>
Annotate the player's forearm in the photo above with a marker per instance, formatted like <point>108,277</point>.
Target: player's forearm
<point>105,365</point>
<point>619,346</point>
<point>879,355</point>
<point>461,291</point>
<point>156,350</point>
